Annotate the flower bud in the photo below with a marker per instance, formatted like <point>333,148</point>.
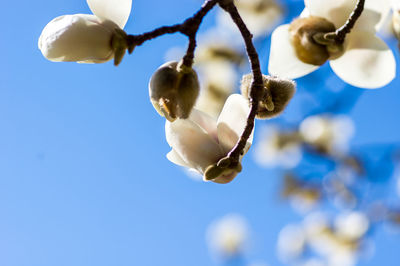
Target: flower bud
<point>303,32</point>
<point>78,38</point>
<point>173,90</point>
<point>275,97</point>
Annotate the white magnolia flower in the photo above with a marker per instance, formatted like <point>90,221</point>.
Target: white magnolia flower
<point>366,62</point>
<point>291,242</point>
<point>260,16</point>
<point>228,235</point>
<point>278,149</point>
<point>351,225</point>
<point>199,141</point>
<point>328,134</point>
<point>85,38</point>
<point>219,78</point>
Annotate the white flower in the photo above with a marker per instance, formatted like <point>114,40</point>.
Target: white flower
<point>367,62</point>
<point>278,148</point>
<point>85,38</point>
<point>228,235</point>
<point>328,134</point>
<point>351,225</point>
<point>219,79</point>
<point>291,242</point>
<point>199,141</point>
<point>260,16</point>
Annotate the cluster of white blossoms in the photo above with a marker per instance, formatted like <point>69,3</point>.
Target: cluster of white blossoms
<point>363,60</point>
<point>202,134</point>
<point>327,134</point>
<point>336,244</point>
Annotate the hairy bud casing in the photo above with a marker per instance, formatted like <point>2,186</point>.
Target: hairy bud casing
<point>308,50</point>
<point>276,94</point>
<point>173,90</point>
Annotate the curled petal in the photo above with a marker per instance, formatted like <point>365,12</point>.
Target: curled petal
<point>77,38</point>
<point>375,14</point>
<point>175,158</point>
<point>283,61</point>
<point>115,10</point>
<point>367,63</point>
<point>232,121</point>
<point>205,121</point>
<point>194,146</point>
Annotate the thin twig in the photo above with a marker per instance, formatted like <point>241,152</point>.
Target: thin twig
<point>256,89</point>
<point>340,34</point>
<point>189,27</point>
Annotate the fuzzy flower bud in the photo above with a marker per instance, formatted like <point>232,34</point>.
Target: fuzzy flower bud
<point>304,33</point>
<point>276,95</point>
<point>173,90</point>
<point>78,38</point>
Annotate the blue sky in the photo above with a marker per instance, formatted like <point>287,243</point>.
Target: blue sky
<point>83,176</point>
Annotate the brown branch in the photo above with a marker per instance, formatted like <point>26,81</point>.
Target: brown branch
<point>257,86</point>
<point>340,34</point>
<point>189,28</point>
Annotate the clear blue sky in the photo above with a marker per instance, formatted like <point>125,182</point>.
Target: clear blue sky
<point>83,176</point>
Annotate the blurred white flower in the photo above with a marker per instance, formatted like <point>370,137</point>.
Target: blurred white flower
<point>291,242</point>
<point>351,225</point>
<point>277,148</point>
<point>340,245</point>
<point>303,196</point>
<point>228,235</point>
<point>260,16</point>
<point>366,62</point>
<point>217,60</point>
<point>328,133</point>
<point>304,201</point>
<point>200,142</point>
<point>218,78</point>
<point>396,18</point>
<point>86,38</point>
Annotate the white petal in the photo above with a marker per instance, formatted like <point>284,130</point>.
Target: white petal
<point>375,11</point>
<point>115,10</point>
<point>175,158</point>
<point>367,63</point>
<point>283,61</point>
<point>204,121</point>
<point>232,121</point>
<point>338,12</point>
<point>195,147</point>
